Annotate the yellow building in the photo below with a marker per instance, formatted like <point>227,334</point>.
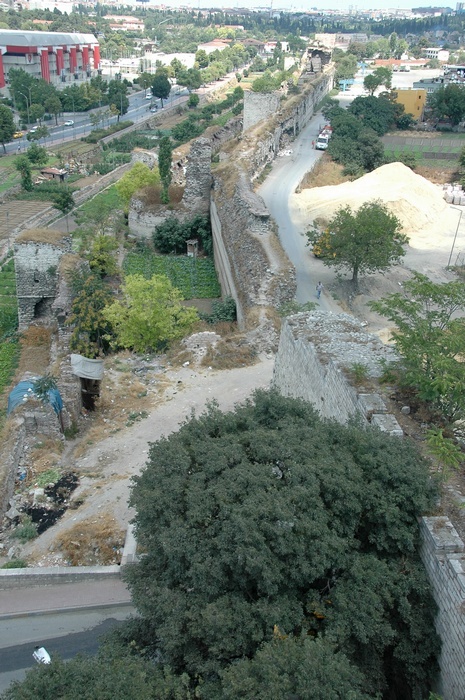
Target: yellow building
<point>413,100</point>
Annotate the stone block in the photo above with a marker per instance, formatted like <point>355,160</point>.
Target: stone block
<point>387,423</point>
<point>370,404</point>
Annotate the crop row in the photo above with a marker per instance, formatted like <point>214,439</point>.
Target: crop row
<point>195,277</point>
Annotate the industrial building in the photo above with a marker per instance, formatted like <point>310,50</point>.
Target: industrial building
<point>57,57</point>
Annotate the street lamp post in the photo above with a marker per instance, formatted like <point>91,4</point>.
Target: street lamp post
<point>455,236</point>
<point>27,105</point>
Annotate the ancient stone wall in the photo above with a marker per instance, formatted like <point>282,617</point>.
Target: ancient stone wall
<point>316,351</point>
<point>443,554</point>
<point>36,265</point>
<point>247,272</point>
<point>259,107</point>
<point>196,197</point>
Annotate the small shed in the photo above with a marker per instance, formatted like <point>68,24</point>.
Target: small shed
<point>54,173</point>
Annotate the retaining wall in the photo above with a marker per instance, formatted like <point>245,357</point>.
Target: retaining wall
<point>443,554</point>
<point>316,351</point>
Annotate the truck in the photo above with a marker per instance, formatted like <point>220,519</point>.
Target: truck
<point>323,138</point>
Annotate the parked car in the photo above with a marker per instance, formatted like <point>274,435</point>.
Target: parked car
<point>154,108</point>
<point>18,134</point>
<point>33,130</point>
<point>148,96</point>
<point>69,122</point>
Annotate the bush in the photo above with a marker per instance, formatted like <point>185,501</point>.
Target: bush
<point>128,142</point>
<point>222,311</point>
<point>15,564</point>
<point>172,234</point>
<point>26,531</point>
<point>98,134</point>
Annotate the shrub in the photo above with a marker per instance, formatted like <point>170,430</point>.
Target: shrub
<point>223,310</point>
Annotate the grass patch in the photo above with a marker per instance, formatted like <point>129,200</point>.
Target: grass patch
<point>195,277</point>
<point>108,199</point>
<point>97,542</point>
<point>15,564</point>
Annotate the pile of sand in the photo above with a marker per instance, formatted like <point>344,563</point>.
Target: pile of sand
<point>414,200</point>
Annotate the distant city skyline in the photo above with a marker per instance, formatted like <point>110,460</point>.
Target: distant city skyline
<point>296,6</point>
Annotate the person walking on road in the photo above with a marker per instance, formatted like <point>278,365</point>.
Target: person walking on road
<point>319,289</point>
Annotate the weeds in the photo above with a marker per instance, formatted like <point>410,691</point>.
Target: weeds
<point>15,564</point>
<point>26,531</point>
<point>135,416</point>
<point>447,453</point>
<point>92,543</point>
<point>358,372</point>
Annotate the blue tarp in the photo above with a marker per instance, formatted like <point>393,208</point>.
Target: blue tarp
<point>20,394</point>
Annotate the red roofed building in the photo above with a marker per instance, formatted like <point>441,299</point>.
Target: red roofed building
<point>53,56</point>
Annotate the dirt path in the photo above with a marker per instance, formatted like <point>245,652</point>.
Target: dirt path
<point>108,466</point>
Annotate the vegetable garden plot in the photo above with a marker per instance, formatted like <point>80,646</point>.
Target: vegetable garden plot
<point>195,277</point>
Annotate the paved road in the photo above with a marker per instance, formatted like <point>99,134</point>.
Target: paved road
<point>66,634</point>
<point>139,110</point>
<point>286,174</point>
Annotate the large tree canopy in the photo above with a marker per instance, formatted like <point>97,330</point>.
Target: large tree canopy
<point>365,241</point>
<point>270,522</point>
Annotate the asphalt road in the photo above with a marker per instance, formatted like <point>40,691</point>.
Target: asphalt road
<point>139,109</point>
<point>66,634</point>
<point>286,174</point>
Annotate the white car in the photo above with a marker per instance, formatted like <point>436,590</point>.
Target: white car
<point>33,130</point>
<point>148,96</point>
<point>41,655</point>
<point>69,122</point>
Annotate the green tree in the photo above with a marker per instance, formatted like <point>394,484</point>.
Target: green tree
<point>377,113</point>
<point>294,667</point>
<point>265,84</point>
<point>102,260</point>
<point>371,83</point>
<point>145,81</point>
<point>193,100</point>
<point>37,155</point>
<point>430,341</point>
<point>64,202</point>
<point>36,112</point>
<point>41,133</point>
<point>380,76</point>
<point>228,511</point>
<point>448,103</point>
<point>91,330</point>
<point>53,106</point>
<point>137,178</point>
<point>165,151</point>
<point>201,58</point>
<point>365,241</point>
<point>171,235</point>
<point>23,165</point>
<point>7,125</point>
<point>117,96</point>
<point>161,86</point>
<point>150,314</point>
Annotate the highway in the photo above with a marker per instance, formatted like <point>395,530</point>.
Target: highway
<point>139,110</point>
